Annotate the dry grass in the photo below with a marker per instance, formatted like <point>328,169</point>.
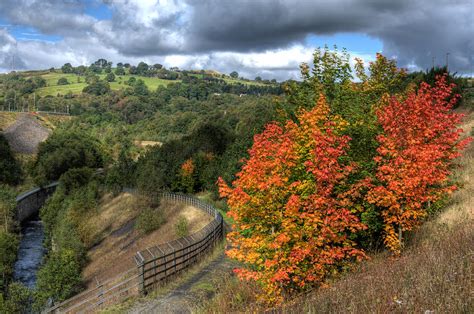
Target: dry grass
<point>116,240</point>
<point>232,296</point>
<point>145,144</point>
<point>52,121</point>
<point>7,119</point>
<point>434,274</point>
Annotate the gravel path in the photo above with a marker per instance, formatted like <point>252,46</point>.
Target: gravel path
<point>182,299</point>
<point>25,134</point>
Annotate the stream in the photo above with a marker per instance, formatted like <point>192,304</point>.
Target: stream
<point>30,252</point>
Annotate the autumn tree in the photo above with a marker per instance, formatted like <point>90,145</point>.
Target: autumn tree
<point>186,175</point>
<point>356,102</point>
<point>290,206</point>
<point>420,139</point>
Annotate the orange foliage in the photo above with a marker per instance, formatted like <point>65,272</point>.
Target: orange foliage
<point>187,168</point>
<point>419,141</point>
<point>291,207</point>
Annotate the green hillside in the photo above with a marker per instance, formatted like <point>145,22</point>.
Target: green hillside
<point>77,82</point>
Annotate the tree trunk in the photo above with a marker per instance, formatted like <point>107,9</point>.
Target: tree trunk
<point>400,236</point>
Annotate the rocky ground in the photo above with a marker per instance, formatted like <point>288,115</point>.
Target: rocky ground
<point>25,134</point>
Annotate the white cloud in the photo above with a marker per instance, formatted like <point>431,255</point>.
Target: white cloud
<point>281,63</point>
<point>257,37</point>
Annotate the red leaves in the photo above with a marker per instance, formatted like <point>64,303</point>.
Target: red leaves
<point>291,226</point>
<point>293,207</point>
<point>419,141</point>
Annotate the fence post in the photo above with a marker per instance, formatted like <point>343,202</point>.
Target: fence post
<point>141,272</point>
<point>166,266</point>
<point>154,264</point>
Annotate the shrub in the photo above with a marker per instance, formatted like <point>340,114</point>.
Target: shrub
<point>75,178</point>
<point>149,220</point>
<point>10,171</point>
<point>97,88</point>
<point>7,208</point>
<point>8,250</point>
<point>63,151</point>
<point>181,227</point>
<point>110,77</point>
<point>63,81</point>
<point>18,300</point>
<point>58,279</point>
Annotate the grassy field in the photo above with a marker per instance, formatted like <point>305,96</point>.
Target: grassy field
<point>77,83</point>
<point>230,80</point>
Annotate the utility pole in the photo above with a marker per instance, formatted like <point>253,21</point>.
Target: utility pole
<point>433,62</point>
<point>12,66</point>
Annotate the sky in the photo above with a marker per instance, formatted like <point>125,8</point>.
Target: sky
<point>267,38</point>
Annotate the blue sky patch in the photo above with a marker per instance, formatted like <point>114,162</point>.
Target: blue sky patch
<point>98,10</point>
<point>353,42</point>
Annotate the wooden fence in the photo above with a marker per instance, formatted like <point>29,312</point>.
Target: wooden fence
<point>159,262</point>
<point>106,293</point>
<point>154,265</point>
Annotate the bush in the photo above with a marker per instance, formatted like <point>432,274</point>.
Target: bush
<point>63,151</point>
<point>8,250</point>
<point>18,300</point>
<point>75,178</point>
<point>181,227</point>
<point>149,220</point>
<point>7,208</point>
<point>63,81</point>
<point>10,171</point>
<point>58,279</point>
<point>110,77</point>
<point>97,88</point>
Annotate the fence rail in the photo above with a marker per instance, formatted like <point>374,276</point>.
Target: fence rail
<point>159,262</point>
<point>154,264</point>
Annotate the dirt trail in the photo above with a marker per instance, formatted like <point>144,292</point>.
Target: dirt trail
<point>185,297</point>
<point>25,134</point>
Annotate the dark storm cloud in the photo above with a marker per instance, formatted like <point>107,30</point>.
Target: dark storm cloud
<point>59,17</point>
<point>431,30</point>
<point>413,31</point>
<point>257,25</point>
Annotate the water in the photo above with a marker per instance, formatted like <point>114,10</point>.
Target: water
<point>30,253</point>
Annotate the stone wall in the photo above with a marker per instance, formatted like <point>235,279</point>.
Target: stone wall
<point>29,203</point>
